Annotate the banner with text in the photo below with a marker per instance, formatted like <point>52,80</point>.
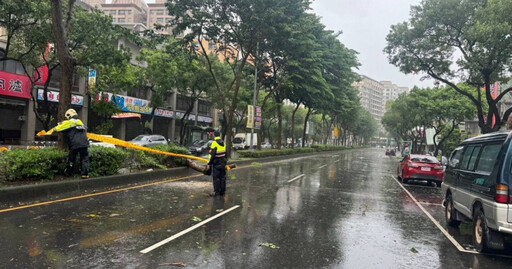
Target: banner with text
<point>257,120</point>
<point>250,116</point>
<point>15,85</point>
<point>53,96</point>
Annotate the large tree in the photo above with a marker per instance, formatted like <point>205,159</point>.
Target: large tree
<point>464,40</point>
<point>238,26</point>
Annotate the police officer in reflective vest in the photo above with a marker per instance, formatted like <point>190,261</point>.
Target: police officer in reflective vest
<point>76,132</point>
<point>217,161</point>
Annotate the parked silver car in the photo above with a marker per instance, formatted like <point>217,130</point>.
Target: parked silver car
<point>149,140</point>
<point>477,188</point>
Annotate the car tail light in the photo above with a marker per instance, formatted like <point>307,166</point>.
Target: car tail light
<point>501,194</point>
<point>412,165</point>
<point>438,167</point>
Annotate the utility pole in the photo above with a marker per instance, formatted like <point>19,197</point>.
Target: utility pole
<point>254,96</point>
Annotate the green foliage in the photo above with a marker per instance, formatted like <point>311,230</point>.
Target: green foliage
<point>327,147</point>
<point>23,164</point>
<point>106,161</point>
<point>170,161</point>
<point>280,152</point>
<point>453,40</point>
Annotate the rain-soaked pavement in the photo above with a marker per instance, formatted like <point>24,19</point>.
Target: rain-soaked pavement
<point>338,210</point>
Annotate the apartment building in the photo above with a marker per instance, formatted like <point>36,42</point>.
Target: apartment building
<point>392,91</point>
<point>371,94</point>
<point>158,15</point>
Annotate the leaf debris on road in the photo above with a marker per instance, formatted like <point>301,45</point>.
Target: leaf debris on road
<point>269,245</point>
<point>176,264</point>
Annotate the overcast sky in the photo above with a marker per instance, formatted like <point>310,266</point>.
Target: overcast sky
<point>365,25</point>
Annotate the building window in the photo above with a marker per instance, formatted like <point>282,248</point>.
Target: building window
<point>152,20</point>
<point>169,20</point>
<point>203,108</point>
<point>160,12</point>
<point>152,12</point>
<point>112,12</point>
<point>129,20</point>
<point>121,20</point>
<point>121,12</point>
<point>129,12</point>
<point>160,20</point>
<point>113,20</point>
<point>183,103</point>
<point>212,46</point>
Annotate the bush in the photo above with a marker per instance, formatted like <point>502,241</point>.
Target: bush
<point>106,161</point>
<point>145,160</point>
<point>327,147</point>
<point>29,164</point>
<point>273,152</point>
<point>279,152</point>
<point>171,161</point>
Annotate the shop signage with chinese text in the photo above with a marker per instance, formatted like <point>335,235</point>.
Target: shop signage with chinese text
<point>15,85</point>
<point>53,96</point>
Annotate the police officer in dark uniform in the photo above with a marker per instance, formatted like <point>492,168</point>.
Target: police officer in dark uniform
<point>76,132</point>
<point>217,161</point>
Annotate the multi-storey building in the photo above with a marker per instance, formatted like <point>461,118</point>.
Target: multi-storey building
<point>392,91</point>
<point>125,12</point>
<point>371,94</point>
<point>158,15</point>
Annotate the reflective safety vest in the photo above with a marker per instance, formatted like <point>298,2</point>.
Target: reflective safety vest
<point>62,126</point>
<point>218,149</point>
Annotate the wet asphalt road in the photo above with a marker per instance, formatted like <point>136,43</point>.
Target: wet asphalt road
<point>342,210</point>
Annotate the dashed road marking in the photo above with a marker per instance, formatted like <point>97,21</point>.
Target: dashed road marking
<point>295,178</point>
<point>165,241</point>
<point>454,242</point>
<point>322,166</point>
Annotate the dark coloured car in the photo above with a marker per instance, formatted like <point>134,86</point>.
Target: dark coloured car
<point>476,188</point>
<point>420,167</point>
<point>390,152</point>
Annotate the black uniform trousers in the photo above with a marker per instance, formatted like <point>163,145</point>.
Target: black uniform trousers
<point>219,177</point>
<point>84,159</point>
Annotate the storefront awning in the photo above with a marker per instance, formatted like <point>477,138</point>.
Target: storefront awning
<point>126,116</point>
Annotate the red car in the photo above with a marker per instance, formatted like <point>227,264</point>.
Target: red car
<point>420,167</point>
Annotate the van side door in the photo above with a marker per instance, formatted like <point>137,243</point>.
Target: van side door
<point>465,179</point>
<point>483,184</point>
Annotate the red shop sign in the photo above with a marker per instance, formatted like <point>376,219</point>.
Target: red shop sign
<point>14,85</point>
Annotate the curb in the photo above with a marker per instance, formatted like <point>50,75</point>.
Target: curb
<point>35,191</point>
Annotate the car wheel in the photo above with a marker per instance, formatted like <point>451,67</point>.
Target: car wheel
<point>449,212</point>
<point>480,231</point>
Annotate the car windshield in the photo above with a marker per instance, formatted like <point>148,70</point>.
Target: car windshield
<point>200,143</point>
<point>139,138</point>
<point>197,142</point>
<point>424,159</point>
<point>238,140</point>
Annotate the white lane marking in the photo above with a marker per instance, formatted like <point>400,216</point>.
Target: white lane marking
<point>430,204</point>
<point>454,242</point>
<point>295,178</point>
<point>322,166</point>
<point>337,161</point>
<point>159,244</point>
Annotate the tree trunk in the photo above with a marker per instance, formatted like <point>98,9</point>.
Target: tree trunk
<point>279,125</point>
<point>293,124</point>
<point>305,125</point>
<point>67,62</point>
